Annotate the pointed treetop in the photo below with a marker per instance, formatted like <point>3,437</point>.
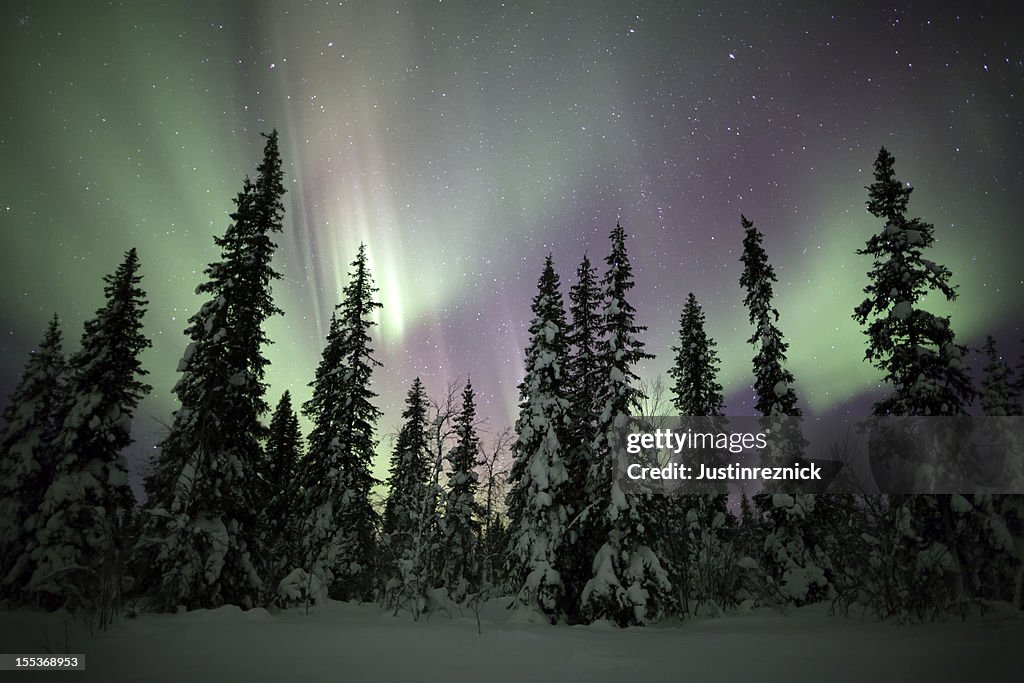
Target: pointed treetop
<point>270,184</point>
<point>758,275</point>
<point>620,271</point>
<point>53,337</point>
<point>465,426</point>
<point>285,402</point>
<point>887,197</point>
<point>697,391</point>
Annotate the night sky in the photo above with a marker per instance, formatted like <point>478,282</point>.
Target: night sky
<point>464,141</point>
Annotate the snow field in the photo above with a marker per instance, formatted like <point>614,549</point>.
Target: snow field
<point>347,642</point>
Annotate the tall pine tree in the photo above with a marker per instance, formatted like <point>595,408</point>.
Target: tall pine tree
<point>583,381</point>
<point>461,524</point>
<point>409,468</point>
<point>773,389</point>
<point>28,456</point>
<point>86,515</point>
<point>202,539</point>
<point>539,452</point>
<point>696,390</point>
<point>281,491</point>
<point>408,512</point>
<point>628,584</point>
<point>997,397</point>
<point>984,522</point>
<point>917,353</point>
<point>792,553</point>
<point>916,350</point>
<point>339,534</point>
<point>693,541</point>
<point>774,395</point>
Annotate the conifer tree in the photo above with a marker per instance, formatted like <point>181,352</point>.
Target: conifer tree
<point>461,524</point>
<point>916,350</point>
<point>28,456</point>
<point>583,385</point>
<point>772,381</point>
<point>792,552</point>
<point>536,535</point>
<point>279,477</point>
<point>201,538</point>
<point>774,395</point>
<point>695,548</point>
<point>696,390</point>
<point>339,534</point>
<point>628,584</point>
<point>983,535</point>
<point>404,523</point>
<point>410,467</point>
<point>996,384</point>
<point>917,353</point>
<point>86,514</point>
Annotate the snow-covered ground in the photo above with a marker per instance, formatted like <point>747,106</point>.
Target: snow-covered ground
<point>342,642</point>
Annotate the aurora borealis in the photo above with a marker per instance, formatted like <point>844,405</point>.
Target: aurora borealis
<point>464,141</point>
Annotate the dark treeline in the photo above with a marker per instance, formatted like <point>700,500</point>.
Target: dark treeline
<point>242,510</point>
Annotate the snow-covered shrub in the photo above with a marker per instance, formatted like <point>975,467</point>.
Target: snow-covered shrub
<point>300,589</point>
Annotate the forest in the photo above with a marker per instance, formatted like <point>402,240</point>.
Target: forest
<point>242,509</point>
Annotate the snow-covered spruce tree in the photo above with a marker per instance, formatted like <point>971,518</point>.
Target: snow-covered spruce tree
<point>918,355</point>
<point>997,399</point>
<point>409,468</point>
<point>201,537</point>
<point>987,522</point>
<point>428,547</point>
<point>694,542</point>
<point>991,559</point>
<point>86,515</point>
<point>460,528</point>
<point>404,526</point>
<point>28,457</point>
<point>696,391</point>
<point>915,349</point>
<point>792,555</point>
<point>280,489</point>
<point>584,383</point>
<point>339,532</point>
<point>773,389</point>
<point>628,584</point>
<point>537,532</point>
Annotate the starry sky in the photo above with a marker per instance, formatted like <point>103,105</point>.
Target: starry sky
<point>464,141</point>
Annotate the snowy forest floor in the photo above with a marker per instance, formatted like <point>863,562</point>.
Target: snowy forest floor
<point>354,643</point>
